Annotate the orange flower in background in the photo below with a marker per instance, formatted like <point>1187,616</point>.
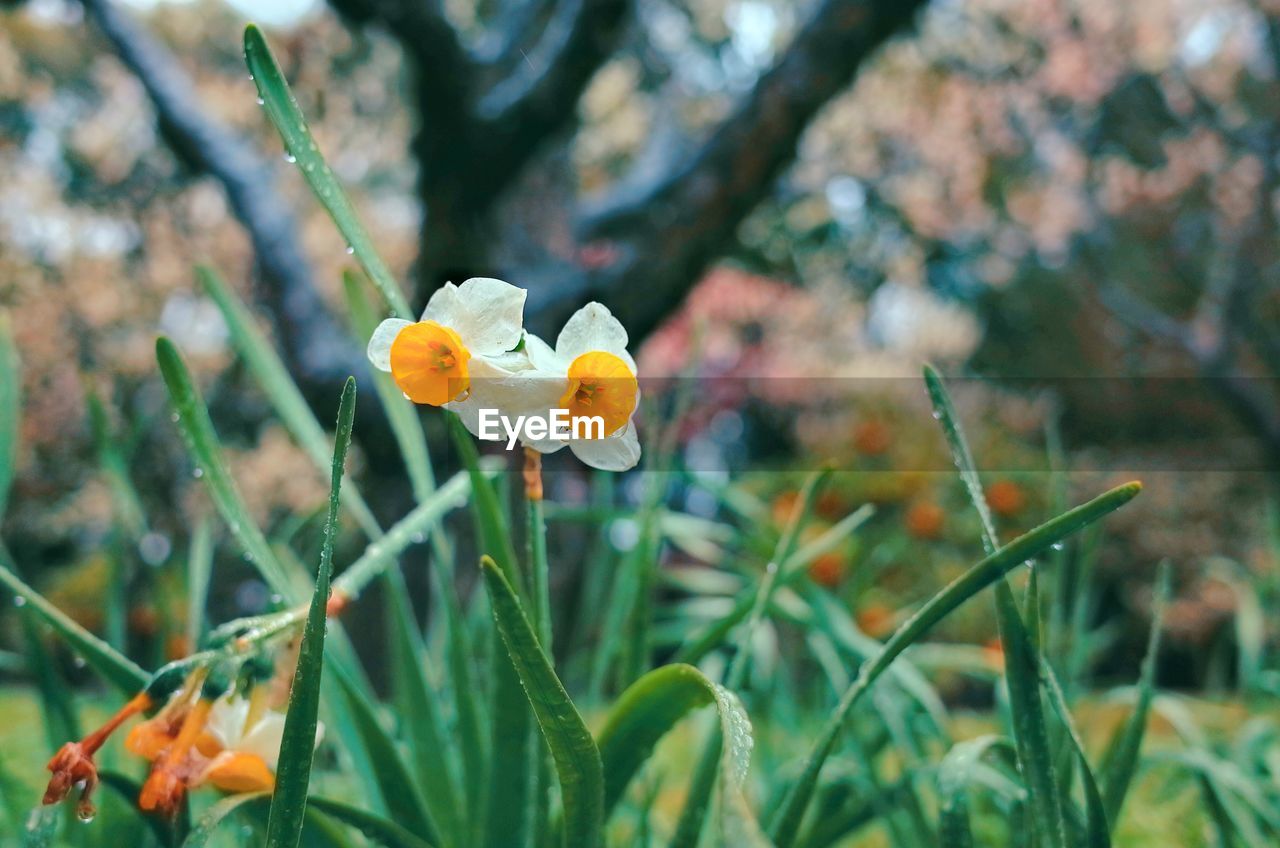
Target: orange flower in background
<point>924,520</point>
<point>1006,498</point>
<point>993,651</point>
<point>876,620</point>
<point>783,505</point>
<point>872,437</point>
<point>827,570</point>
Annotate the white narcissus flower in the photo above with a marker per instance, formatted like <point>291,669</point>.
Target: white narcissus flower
<point>590,374</point>
<point>459,348</point>
<point>242,742</point>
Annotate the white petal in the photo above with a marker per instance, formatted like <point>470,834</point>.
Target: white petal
<point>541,355</point>
<point>543,445</point>
<point>511,394</point>
<point>264,738</point>
<point>593,327</point>
<point>226,720</point>
<point>489,315</point>
<point>443,307</point>
<point>380,342</point>
<point>616,453</point>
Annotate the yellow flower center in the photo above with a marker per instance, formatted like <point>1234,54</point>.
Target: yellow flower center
<point>601,385</point>
<point>429,363</point>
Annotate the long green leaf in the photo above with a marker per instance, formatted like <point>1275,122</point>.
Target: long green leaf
<point>689,827</point>
<point>955,774</point>
<point>199,570</point>
<point>1022,665</point>
<point>397,784</point>
<point>10,407</point>
<point>1097,833</point>
<point>1126,746</point>
<point>281,107</point>
<point>202,442</point>
<point>115,667</point>
<point>214,816</point>
<point>648,709</point>
<point>507,820</point>
<point>373,826</point>
<point>576,757</point>
<point>937,608</point>
<point>405,532</point>
<point>421,715</point>
<point>280,389</point>
<point>297,746</point>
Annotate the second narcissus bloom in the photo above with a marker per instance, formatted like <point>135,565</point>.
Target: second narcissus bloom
<point>458,349</point>
<point>590,374</point>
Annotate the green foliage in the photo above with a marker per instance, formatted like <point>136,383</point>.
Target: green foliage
<point>851,735</point>
<point>289,801</point>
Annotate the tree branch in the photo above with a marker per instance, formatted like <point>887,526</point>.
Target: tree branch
<point>311,339</point>
<point>541,95</point>
<point>662,238</point>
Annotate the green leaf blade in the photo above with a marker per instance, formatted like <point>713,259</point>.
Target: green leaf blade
<point>202,442</point>
<point>297,747</point>
<point>283,111</point>
<point>964,587</point>
<point>577,759</point>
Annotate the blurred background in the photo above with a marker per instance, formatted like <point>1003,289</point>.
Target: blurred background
<point>791,206</point>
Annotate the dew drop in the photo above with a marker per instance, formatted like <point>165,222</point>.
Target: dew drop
<point>19,601</point>
<point>1059,546</point>
<point>261,102</point>
<point>86,814</point>
<point>350,250</point>
<point>197,473</point>
<point>174,418</point>
<point>290,158</point>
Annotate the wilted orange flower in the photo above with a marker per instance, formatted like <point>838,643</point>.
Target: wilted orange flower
<point>924,519</point>
<point>1006,497</point>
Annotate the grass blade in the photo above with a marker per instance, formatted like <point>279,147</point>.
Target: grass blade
<point>507,819</point>
<point>10,407</point>
<point>964,587</point>
<point>199,569</point>
<point>297,746</point>
<point>421,715</point>
<point>576,757</point>
<point>690,825</point>
<point>281,107</point>
<point>405,532</point>
<point>203,830</point>
<point>653,705</point>
<point>1125,748</point>
<point>955,774</point>
<point>280,388</point>
<point>374,827</point>
<point>1022,653</point>
<point>115,667</point>
<point>1097,834</point>
<point>202,442</point>
<point>396,783</point>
